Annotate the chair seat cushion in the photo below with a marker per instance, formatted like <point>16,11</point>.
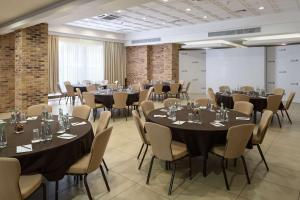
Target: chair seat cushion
<point>179,150</point>
<point>80,167</point>
<point>29,184</point>
<point>99,105</point>
<point>218,150</point>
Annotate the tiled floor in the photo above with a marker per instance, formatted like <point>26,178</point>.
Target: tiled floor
<point>282,182</point>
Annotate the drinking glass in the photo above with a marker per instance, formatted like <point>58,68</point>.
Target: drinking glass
<point>35,136</point>
<point>3,141</point>
<point>23,118</point>
<point>218,116</point>
<point>190,117</point>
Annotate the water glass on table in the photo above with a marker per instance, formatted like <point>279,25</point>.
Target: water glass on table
<point>35,136</point>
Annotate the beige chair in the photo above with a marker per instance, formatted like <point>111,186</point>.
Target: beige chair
<point>185,91</point>
<point>67,83</point>
<point>202,101</point>
<point>165,149</point>
<point>240,97</point>
<point>158,91</point>
<point>120,102</point>
<point>37,110</point>
<point>136,87</point>
<point>171,101</point>
<point>243,107</point>
<point>62,94</point>
<point>247,88</point>
<point>82,111</point>
<point>212,97</point>
<point>144,137</point>
<point>91,88</point>
<point>142,97</point>
<point>263,126</point>
<point>92,161</point>
<point>237,139</point>
<point>147,107</point>
<point>150,91</point>
<point>86,82</point>
<point>174,90</point>
<point>224,88</point>
<point>288,104</point>
<point>13,186</point>
<point>78,91</point>
<point>278,91</point>
<point>273,105</point>
<point>89,100</point>
<point>70,93</point>
<point>112,86</point>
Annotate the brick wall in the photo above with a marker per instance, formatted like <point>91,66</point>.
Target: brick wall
<point>156,62</point>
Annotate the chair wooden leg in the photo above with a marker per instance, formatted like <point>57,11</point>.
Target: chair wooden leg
<point>224,173</point>
<point>281,113</point>
<point>87,187</point>
<point>262,156</point>
<point>278,120</point>
<point>140,151</point>
<point>105,165</point>
<point>44,191</point>
<point>287,114</point>
<point>56,190</point>
<point>94,113</point>
<point>59,100</point>
<point>172,178</point>
<point>104,177</point>
<point>150,169</point>
<point>190,167</point>
<point>246,170</point>
<point>143,157</point>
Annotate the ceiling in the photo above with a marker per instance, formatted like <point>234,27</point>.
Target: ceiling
<point>159,14</point>
<point>13,9</point>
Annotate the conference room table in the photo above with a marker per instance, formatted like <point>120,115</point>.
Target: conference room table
<point>51,158</point>
<point>82,87</point>
<point>166,87</point>
<point>199,137</point>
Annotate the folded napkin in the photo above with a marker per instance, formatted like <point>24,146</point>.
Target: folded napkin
<point>67,136</point>
<point>24,148</point>
<point>193,122</point>
<point>78,123</point>
<point>161,116</point>
<point>32,118</point>
<point>217,124</point>
<point>163,110</point>
<point>202,107</point>
<point>179,122</point>
<point>242,118</point>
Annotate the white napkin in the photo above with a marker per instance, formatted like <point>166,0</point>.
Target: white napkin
<point>202,107</point>
<point>2,121</point>
<point>179,122</point>
<point>24,148</point>
<point>67,136</point>
<point>217,124</point>
<point>78,123</point>
<point>162,116</point>
<point>192,122</point>
<point>50,120</point>
<point>242,118</point>
<point>163,110</point>
<point>32,118</point>
<point>70,117</point>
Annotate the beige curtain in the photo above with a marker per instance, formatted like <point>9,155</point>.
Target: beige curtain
<point>53,63</point>
<point>114,62</point>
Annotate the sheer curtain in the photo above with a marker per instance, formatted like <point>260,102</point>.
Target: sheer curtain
<point>80,60</point>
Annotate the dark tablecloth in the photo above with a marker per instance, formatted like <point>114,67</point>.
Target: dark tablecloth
<point>107,99</point>
<point>166,87</point>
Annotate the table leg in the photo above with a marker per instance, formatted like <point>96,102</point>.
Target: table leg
<point>254,117</point>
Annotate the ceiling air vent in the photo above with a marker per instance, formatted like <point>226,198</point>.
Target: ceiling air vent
<point>235,32</point>
<point>108,17</point>
<point>149,40</point>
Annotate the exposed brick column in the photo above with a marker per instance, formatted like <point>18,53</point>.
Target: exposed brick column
<point>31,66</point>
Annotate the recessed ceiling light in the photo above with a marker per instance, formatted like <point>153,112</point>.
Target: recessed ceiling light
<point>119,11</point>
<point>204,17</point>
<point>165,0</point>
<point>283,44</point>
<point>144,18</point>
<point>188,9</point>
<point>261,8</point>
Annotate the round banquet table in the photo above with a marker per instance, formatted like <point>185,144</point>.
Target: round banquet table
<point>82,88</point>
<point>105,97</point>
<point>52,158</point>
<point>199,138</point>
<point>166,87</point>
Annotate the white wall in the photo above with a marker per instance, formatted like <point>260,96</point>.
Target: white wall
<point>283,69</point>
<point>235,67</point>
<point>192,68</point>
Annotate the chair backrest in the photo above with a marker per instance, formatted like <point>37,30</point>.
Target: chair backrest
<point>174,87</point>
<point>86,82</point>
<point>59,88</point>
<point>188,86</point>
<point>150,90</point>
<point>89,99</point>
<point>78,91</point>
<point>112,86</point>
<point>247,88</point>
<point>103,121</point>
<point>82,111</point>
<point>243,107</point>
<point>139,126</point>
<point>171,101</point>
<point>237,139</point>
<point>160,138</point>
<point>273,102</point>
<point>224,88</point>
<point>37,110</point>
<point>67,83</point>
<point>136,86</point>
<point>240,97</point>
<point>290,100</point>
<point>158,88</point>
<point>147,107</point>
<point>91,88</point>
<point>263,126</point>
<point>143,96</point>
<point>202,101</point>
<point>70,90</point>
<point>120,99</point>
<point>278,91</point>
<point>181,82</point>
<point>10,171</point>
<point>98,149</point>
<point>212,96</point>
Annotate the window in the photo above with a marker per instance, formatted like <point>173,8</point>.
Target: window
<point>80,60</point>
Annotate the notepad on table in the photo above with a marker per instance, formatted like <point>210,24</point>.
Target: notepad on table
<point>162,116</point>
<point>32,118</point>
<point>217,124</point>
<point>179,122</point>
<point>24,148</point>
<point>78,123</point>
<point>242,118</point>
<point>67,136</point>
